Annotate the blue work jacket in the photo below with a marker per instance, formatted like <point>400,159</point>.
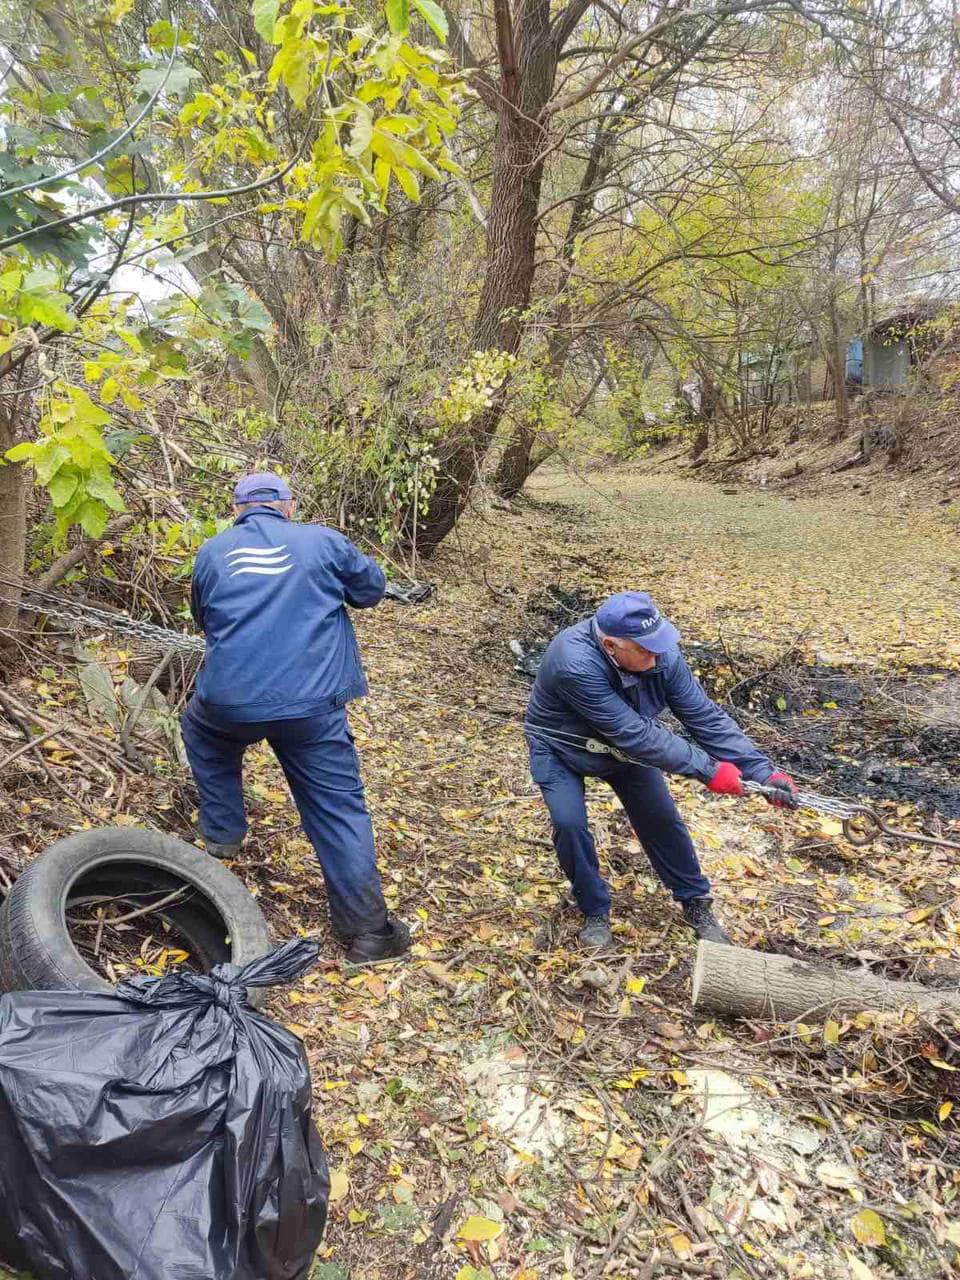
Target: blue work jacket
<point>270,597</point>
<point>580,693</point>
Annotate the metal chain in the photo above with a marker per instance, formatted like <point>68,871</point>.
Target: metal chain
<point>91,618</point>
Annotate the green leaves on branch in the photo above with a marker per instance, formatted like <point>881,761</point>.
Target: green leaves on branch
<point>377,111</point>
<point>395,105</point>
<point>71,461</point>
<point>31,298</point>
<point>398,16</point>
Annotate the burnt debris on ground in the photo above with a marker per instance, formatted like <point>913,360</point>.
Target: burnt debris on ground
<point>548,612</point>
<point>864,734</point>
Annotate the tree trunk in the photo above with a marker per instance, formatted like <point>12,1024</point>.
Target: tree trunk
<point>13,512</point>
<point>517,465</point>
<point>527,65</point>
<point>838,364</point>
<point>752,984</point>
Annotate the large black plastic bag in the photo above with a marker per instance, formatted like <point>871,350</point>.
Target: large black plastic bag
<point>159,1133</point>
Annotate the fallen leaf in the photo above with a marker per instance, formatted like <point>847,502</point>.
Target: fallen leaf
<point>867,1227</point>
<point>375,985</point>
<point>837,1175</point>
<point>669,1030</point>
<point>831,1032</point>
<point>920,913</point>
<point>476,1228</point>
<point>858,1270</point>
<point>339,1184</point>
<point>680,1244</point>
<point>945,1109</point>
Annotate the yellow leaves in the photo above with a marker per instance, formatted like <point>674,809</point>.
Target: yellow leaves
<point>339,1185</point>
<point>858,1270</point>
<point>830,827</point>
<point>635,986</point>
<point>919,914</point>
<point>831,1032</point>
<point>867,1227</point>
<point>681,1245</point>
<point>631,1081</point>
<point>479,1229</point>
<point>294,64</point>
<point>944,1110</point>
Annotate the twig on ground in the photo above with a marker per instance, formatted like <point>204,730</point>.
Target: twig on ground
<point>620,1234</point>
<point>175,896</point>
<point>38,741</point>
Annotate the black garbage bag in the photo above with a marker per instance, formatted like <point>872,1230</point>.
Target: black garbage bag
<point>161,1132</point>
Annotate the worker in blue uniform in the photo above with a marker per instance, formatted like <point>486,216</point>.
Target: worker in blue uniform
<point>281,665</point>
<point>607,679</point>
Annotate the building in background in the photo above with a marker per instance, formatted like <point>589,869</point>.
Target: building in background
<point>886,357</point>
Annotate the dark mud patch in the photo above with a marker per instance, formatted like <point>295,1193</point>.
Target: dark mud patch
<point>548,612</point>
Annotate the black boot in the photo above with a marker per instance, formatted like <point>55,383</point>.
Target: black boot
<point>698,913</point>
<point>388,944</point>
<point>222,851</point>
<point>595,933</point>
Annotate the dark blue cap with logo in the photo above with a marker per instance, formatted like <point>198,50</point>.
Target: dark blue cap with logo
<point>632,615</point>
<point>261,486</point>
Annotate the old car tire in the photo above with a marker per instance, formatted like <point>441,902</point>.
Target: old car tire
<point>220,918</point>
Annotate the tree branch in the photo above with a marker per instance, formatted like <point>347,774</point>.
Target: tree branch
<point>465,57</point>
<point>566,23</point>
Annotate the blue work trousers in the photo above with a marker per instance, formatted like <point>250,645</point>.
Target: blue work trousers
<point>321,766</point>
<point>642,790</point>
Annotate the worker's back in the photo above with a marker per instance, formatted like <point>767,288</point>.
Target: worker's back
<point>270,596</point>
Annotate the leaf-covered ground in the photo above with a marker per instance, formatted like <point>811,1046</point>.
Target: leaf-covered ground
<point>501,1105</point>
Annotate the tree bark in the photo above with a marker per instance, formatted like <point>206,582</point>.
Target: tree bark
<point>516,464</point>
<point>528,61</point>
<point>13,512</point>
<point>752,984</point>
<point>838,363</point>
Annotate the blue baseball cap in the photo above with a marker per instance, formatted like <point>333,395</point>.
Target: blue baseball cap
<point>632,615</point>
<point>261,486</point>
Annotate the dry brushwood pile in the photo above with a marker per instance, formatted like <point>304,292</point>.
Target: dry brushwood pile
<point>502,1105</point>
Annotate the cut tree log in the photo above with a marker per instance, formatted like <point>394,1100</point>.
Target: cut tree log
<point>753,984</point>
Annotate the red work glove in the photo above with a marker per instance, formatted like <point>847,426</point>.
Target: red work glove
<point>784,783</point>
<point>727,781</point>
